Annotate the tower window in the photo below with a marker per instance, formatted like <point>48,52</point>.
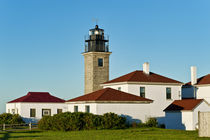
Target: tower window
<point>100,62</point>
<point>142,92</point>
<point>168,93</point>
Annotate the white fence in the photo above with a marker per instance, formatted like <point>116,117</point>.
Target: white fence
<point>25,126</point>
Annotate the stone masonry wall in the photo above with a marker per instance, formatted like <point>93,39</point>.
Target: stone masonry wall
<point>95,75</point>
<point>204,124</point>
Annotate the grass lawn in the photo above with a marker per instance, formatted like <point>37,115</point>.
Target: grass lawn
<point>126,134</point>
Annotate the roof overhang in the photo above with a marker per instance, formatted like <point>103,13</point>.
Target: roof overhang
<point>203,100</point>
<point>142,83</point>
<point>202,85</point>
<point>37,102</point>
<point>113,102</point>
<point>89,53</point>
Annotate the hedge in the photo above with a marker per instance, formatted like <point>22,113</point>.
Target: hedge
<point>81,121</point>
<point>7,118</point>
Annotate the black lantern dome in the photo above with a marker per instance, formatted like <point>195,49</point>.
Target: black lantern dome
<point>96,41</point>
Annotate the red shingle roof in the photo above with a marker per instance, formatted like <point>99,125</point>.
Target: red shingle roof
<point>140,76</point>
<point>109,94</point>
<point>184,104</point>
<point>201,81</point>
<point>38,97</point>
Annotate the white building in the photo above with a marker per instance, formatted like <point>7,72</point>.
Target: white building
<point>162,90</point>
<point>134,108</point>
<point>34,105</point>
<point>183,114</point>
<point>197,88</point>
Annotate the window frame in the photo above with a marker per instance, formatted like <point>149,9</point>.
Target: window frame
<point>100,64</point>
<point>13,111</point>
<point>76,108</point>
<point>59,110</point>
<point>46,110</point>
<point>142,93</point>
<point>87,109</point>
<point>32,115</point>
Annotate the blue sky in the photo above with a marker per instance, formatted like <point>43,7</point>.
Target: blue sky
<point>41,41</point>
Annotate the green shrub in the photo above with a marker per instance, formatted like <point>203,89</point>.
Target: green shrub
<point>151,122</point>
<point>97,121</point>
<point>7,118</point>
<point>46,123</point>
<point>81,121</point>
<point>113,121</point>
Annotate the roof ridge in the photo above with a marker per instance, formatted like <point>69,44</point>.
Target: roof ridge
<point>104,91</point>
<point>47,97</point>
<point>109,94</point>
<point>133,73</point>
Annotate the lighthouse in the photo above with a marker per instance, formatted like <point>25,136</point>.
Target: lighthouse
<point>96,59</point>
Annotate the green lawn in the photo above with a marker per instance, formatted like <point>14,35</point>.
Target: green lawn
<point>126,134</point>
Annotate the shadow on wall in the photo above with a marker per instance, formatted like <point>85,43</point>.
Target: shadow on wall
<point>160,120</point>
<point>173,120</point>
<point>130,119</point>
<point>30,120</point>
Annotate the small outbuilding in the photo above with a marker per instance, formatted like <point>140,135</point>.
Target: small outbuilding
<point>134,108</point>
<point>183,114</point>
<point>34,105</point>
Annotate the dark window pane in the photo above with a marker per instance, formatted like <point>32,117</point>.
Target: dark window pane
<point>59,111</point>
<point>75,108</point>
<point>168,93</point>
<point>87,108</point>
<point>100,62</point>
<point>142,92</point>
<point>32,112</point>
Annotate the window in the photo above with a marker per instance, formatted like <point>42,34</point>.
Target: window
<point>8,110</point>
<point>46,112</point>
<point>119,88</point>
<point>59,111</point>
<point>13,111</point>
<point>100,62</point>
<point>168,93</point>
<point>87,108</point>
<point>142,92</point>
<point>75,108</point>
<point>32,112</point>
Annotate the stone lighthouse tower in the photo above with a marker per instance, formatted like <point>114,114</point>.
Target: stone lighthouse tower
<point>96,58</point>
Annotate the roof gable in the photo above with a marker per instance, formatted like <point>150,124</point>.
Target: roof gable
<point>201,81</point>
<point>109,94</point>
<point>38,97</point>
<point>140,76</point>
<point>184,104</point>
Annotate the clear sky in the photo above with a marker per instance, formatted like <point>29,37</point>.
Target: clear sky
<point>41,41</point>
